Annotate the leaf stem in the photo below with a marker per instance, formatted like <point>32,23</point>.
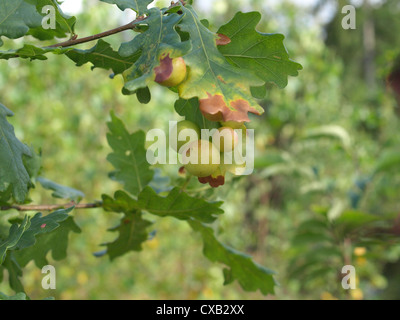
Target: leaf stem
<point>131,25</point>
<point>74,40</point>
<point>183,188</point>
<point>52,207</point>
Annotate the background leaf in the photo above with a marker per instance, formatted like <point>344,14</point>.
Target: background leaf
<point>12,169</point>
<point>18,296</point>
<point>102,56</point>
<point>330,131</point>
<point>350,219</point>
<point>140,6</point>
<point>16,17</point>
<point>251,276</point>
<point>132,234</point>
<point>64,24</point>
<point>24,235</point>
<point>190,110</point>
<point>128,157</point>
<point>55,242</point>
<point>263,54</point>
<point>14,271</point>
<point>33,164</point>
<point>31,52</point>
<point>60,191</point>
<point>176,204</point>
<point>387,161</point>
<point>15,234</point>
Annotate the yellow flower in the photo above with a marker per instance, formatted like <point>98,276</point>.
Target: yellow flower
<point>152,244</point>
<point>327,296</point>
<point>208,293</point>
<point>360,251</point>
<point>82,278</point>
<point>357,294</point>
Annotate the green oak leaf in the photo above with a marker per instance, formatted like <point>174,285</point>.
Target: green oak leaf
<point>132,234</point>
<point>250,275</point>
<point>17,17</point>
<point>31,52</point>
<point>5,221</point>
<point>60,191</point>
<point>24,235</point>
<point>351,220</point>
<point>157,42</point>
<point>15,234</point>
<point>55,241</point>
<point>223,89</point>
<point>33,164</point>
<point>330,131</point>
<point>128,157</point>
<point>103,56</point>
<point>196,212</point>
<point>263,54</point>
<point>259,92</point>
<point>179,205</point>
<point>143,95</point>
<point>14,270</point>
<point>64,24</point>
<point>12,151</point>
<point>387,161</point>
<point>19,296</point>
<point>5,196</point>
<point>176,204</point>
<point>140,6</point>
<point>132,229</point>
<point>190,110</point>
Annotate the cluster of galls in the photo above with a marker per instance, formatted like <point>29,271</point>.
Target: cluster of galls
<point>208,164</point>
<point>205,157</point>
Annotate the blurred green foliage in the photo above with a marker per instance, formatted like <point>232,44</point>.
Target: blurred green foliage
<point>327,149</point>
